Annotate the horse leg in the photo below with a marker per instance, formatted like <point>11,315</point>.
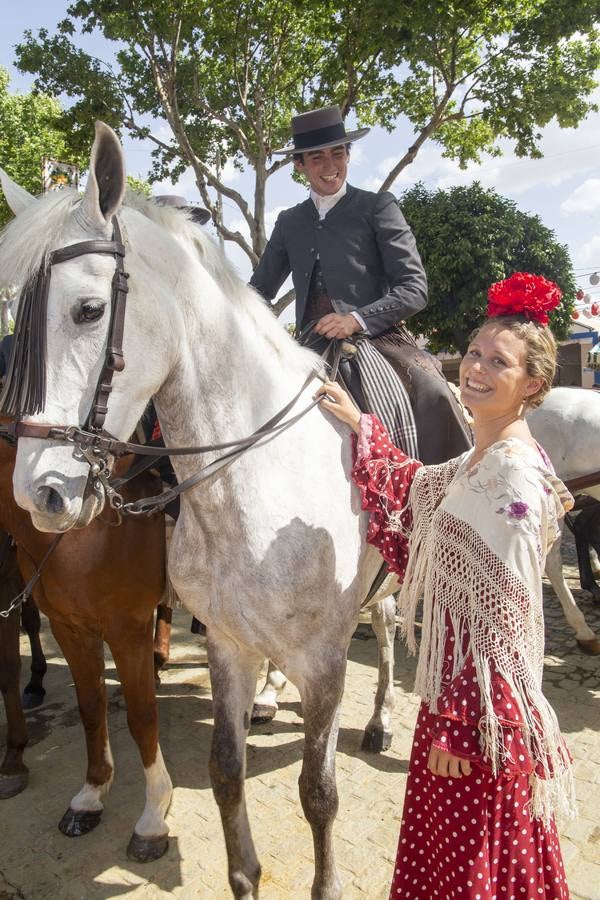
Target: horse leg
<point>321,700</point>
<point>584,635</point>
<point>595,562</point>
<point>84,652</point>
<point>378,733</point>
<point>14,774</point>
<point>586,576</point>
<point>586,529</point>
<point>134,661</point>
<point>233,678</point>
<point>265,703</point>
<point>34,692</point>
<point>162,638</point>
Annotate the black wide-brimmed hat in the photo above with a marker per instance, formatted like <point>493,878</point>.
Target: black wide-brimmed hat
<point>199,214</point>
<point>319,129</point>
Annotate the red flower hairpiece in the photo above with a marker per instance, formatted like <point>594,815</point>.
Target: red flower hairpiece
<point>524,294</point>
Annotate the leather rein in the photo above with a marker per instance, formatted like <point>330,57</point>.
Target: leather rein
<point>95,444</point>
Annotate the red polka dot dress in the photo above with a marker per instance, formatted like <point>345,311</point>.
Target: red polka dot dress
<point>470,837</point>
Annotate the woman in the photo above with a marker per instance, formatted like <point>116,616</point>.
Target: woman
<point>489,767</point>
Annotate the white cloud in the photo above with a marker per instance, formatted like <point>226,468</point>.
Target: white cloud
<point>358,155</point>
<point>585,198</point>
<point>590,252</point>
<point>372,183</point>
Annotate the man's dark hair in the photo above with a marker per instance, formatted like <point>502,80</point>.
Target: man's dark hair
<point>300,156</point>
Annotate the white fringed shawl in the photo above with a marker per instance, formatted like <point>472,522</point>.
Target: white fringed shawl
<point>477,554</point>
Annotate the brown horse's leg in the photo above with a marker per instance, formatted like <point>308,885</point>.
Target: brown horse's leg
<point>132,653</point>
<point>84,653</point>
<point>14,773</point>
<point>162,638</point>
<point>33,693</point>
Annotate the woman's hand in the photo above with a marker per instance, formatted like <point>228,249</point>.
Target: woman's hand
<point>446,765</point>
<point>337,401</point>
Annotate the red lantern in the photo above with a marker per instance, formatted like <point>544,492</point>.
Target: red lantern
<point>594,309</point>
<point>580,294</point>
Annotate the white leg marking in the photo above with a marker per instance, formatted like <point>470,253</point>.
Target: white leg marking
<point>89,797</point>
<point>159,790</point>
<point>275,683</point>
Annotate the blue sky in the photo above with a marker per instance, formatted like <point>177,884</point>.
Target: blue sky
<point>563,188</point>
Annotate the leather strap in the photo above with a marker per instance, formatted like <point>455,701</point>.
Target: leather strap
<point>114,247</point>
<point>114,360</point>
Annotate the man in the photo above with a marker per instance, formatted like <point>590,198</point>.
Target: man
<point>356,271</point>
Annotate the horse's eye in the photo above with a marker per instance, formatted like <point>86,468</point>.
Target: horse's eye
<point>89,311</point>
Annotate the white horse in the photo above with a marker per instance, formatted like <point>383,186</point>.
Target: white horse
<point>567,425</point>
<point>271,554</point>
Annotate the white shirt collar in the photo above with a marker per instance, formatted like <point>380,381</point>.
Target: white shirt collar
<point>324,204</point>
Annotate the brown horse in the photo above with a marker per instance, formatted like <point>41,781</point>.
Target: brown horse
<point>101,583</point>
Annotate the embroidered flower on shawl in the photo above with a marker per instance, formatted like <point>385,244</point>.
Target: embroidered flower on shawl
<point>516,510</point>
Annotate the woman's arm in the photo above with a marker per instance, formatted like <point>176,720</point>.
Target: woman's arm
<point>383,475</point>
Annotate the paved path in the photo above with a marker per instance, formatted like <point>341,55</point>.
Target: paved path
<point>38,863</point>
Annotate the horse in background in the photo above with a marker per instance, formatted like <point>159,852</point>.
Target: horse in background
<point>586,529</point>
<point>567,425</point>
<point>101,583</point>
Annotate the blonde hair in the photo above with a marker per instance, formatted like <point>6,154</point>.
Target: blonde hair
<point>541,347</point>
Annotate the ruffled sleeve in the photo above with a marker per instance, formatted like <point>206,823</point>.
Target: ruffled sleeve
<point>384,475</point>
<point>456,727</point>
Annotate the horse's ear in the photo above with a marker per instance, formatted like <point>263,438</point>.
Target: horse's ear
<point>106,179</point>
<point>17,197</point>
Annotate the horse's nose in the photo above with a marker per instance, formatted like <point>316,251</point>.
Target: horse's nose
<point>48,500</point>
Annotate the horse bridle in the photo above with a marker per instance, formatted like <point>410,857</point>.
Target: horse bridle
<point>92,440</point>
<point>113,358</point>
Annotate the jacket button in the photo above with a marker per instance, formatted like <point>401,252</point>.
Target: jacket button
<point>306,274</point>
<point>312,249</point>
<point>319,227</point>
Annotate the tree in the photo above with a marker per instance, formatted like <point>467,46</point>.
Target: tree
<point>474,72</point>
<point>468,238</point>
<point>33,126</point>
<point>139,186</point>
<point>226,75</point>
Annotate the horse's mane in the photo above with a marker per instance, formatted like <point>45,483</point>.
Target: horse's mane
<point>179,223</point>
<point>28,239</point>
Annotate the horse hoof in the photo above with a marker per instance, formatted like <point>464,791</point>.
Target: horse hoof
<point>591,647</point>
<point>11,785</point>
<point>160,662</point>
<point>32,698</point>
<point>147,849</point>
<point>376,740</point>
<point>76,822</point>
<point>262,714</point>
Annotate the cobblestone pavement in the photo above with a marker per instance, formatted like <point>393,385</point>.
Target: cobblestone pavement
<point>36,861</point>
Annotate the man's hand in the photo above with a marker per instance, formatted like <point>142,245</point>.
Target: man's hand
<point>446,765</point>
<point>335,326</point>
